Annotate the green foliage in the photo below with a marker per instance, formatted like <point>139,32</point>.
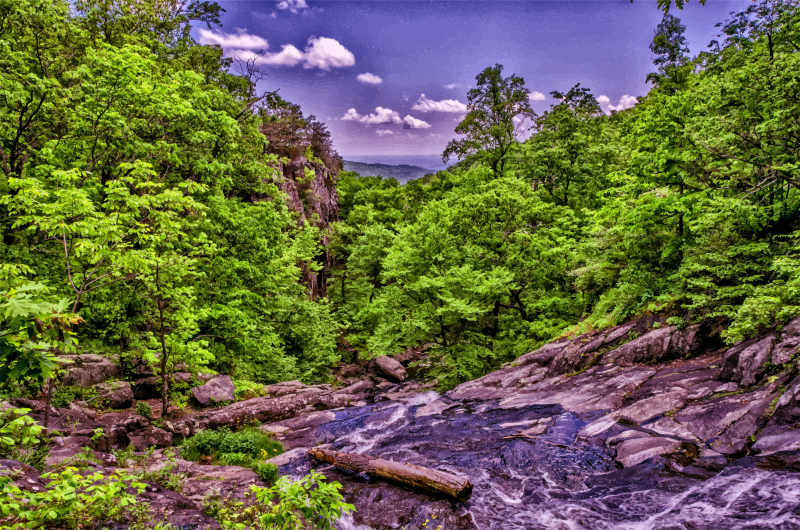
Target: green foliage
<point>248,442</point>
<point>244,389</point>
<point>21,438</point>
<point>489,127</point>
<point>266,471</point>
<point>65,395</point>
<point>138,187</point>
<point>685,205</point>
<point>307,503</point>
<point>144,409</point>
<point>72,500</point>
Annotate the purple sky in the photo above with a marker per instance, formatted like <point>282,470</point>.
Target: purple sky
<point>363,67</point>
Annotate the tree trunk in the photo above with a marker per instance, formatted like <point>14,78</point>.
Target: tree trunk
<point>164,375</point>
<point>410,475</point>
<point>47,403</point>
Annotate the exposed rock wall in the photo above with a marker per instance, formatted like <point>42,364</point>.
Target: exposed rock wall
<point>316,202</point>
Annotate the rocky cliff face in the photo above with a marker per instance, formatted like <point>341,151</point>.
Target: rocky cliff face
<point>316,201</point>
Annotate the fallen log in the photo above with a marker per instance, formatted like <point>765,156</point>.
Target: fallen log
<point>408,474</point>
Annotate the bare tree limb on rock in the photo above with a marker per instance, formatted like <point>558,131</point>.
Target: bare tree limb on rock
<point>407,474</point>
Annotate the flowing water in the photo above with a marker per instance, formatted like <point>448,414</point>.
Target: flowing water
<point>549,483</point>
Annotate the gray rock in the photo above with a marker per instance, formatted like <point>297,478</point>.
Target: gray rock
<point>263,409</point>
<point>214,391</point>
<point>390,368</point>
<point>151,437</point>
<point>745,362</point>
<point>775,443</point>
<point>357,388</point>
<point>351,370</point>
<point>289,457</point>
<point>657,346</point>
<point>87,369</point>
<point>115,395</point>
<point>637,450</point>
<point>639,411</point>
<point>434,407</point>
<point>789,343</point>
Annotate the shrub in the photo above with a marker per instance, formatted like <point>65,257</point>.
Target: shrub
<point>235,459</point>
<point>21,438</point>
<point>72,501</point>
<point>244,389</point>
<point>62,397</point>
<point>249,441</point>
<point>143,408</point>
<point>267,472</point>
<point>307,503</point>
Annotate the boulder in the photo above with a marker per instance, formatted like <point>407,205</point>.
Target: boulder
<point>115,395</point>
<point>290,457</point>
<point>263,409</point>
<point>390,368</point>
<point>214,391</point>
<point>87,369</point>
<point>151,437</point>
<point>150,387</point>
<point>746,362</point>
<point>637,450</point>
<point>357,388</point>
<point>351,370</point>
<point>659,345</point>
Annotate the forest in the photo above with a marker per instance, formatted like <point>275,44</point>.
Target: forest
<point>157,207</point>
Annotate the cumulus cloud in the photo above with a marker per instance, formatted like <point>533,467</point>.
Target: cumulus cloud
<point>424,104</point>
<point>370,79</point>
<point>325,53</point>
<point>288,56</point>
<point>321,52</point>
<point>381,115</point>
<point>535,96</point>
<point>451,86</point>
<point>625,102</point>
<point>233,40</point>
<point>292,5</point>
<point>383,132</point>
<point>410,122</point>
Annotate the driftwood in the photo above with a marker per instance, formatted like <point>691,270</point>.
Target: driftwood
<point>408,474</point>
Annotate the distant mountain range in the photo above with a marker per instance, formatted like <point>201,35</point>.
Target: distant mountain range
<point>403,173</point>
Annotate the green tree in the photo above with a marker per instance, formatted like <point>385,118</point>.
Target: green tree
<point>497,112</point>
<point>670,49</point>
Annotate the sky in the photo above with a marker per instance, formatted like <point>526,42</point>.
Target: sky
<point>392,77</point>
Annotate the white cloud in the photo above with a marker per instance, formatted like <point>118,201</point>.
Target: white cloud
<point>451,86</point>
<point>424,104</point>
<point>625,102</point>
<point>535,96</point>
<point>292,5</point>
<point>381,115</point>
<point>325,53</point>
<point>410,122</point>
<point>321,52</point>
<point>369,79</point>
<point>383,132</point>
<point>288,56</point>
<point>233,40</point>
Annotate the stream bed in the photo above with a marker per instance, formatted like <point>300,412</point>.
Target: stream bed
<point>545,482</point>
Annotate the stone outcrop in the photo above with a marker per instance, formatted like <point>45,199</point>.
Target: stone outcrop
<point>115,395</point>
<point>390,368</point>
<point>214,391</point>
<point>87,369</point>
